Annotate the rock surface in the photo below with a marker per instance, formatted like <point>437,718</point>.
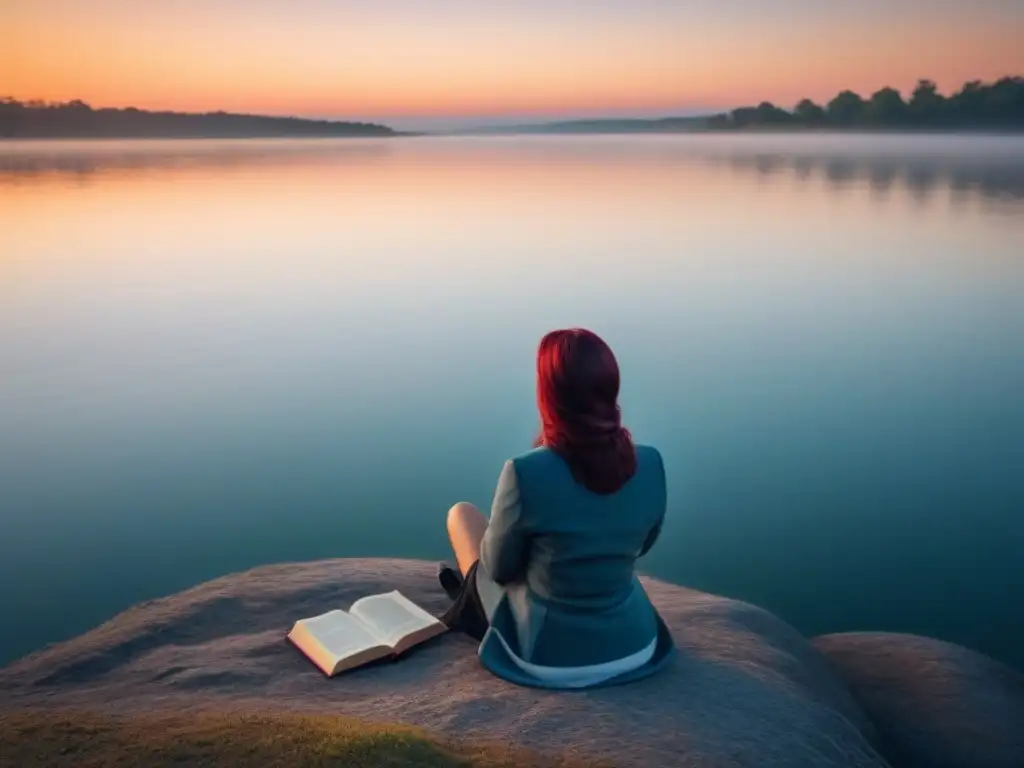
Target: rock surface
<point>934,704</point>
<point>745,689</point>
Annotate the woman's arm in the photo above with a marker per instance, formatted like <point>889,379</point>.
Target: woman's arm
<point>503,548</point>
<point>655,531</point>
<point>652,537</point>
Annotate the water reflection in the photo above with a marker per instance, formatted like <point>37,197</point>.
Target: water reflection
<point>28,161</point>
<point>983,167</point>
<point>990,176</point>
<point>252,351</point>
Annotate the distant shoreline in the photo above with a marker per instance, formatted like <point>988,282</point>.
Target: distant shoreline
<point>537,132</point>
<point>747,131</point>
<point>204,137</point>
<point>993,109</point>
<point>78,120</point>
<point>978,107</point>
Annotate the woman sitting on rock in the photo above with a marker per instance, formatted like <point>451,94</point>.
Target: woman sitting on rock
<point>548,584</point>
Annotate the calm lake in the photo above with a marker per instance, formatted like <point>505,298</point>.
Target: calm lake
<point>215,355</point>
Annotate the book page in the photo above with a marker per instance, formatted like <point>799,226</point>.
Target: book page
<point>342,635</point>
<point>392,616</point>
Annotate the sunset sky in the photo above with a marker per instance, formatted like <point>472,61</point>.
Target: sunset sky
<point>422,62</point>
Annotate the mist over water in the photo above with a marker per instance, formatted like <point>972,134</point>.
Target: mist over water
<point>219,354</point>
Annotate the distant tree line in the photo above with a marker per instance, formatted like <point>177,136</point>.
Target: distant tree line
<point>976,106</point>
<point>76,119</point>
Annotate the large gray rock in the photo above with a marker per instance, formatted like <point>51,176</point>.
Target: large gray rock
<point>745,689</point>
<point>934,704</point>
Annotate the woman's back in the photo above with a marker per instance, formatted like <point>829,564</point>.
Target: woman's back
<point>565,555</point>
<point>582,546</point>
<point>551,573</point>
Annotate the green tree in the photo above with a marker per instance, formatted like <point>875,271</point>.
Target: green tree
<point>927,105</point>
<point>743,117</point>
<point>768,114</point>
<point>969,103</point>
<point>1004,102</point>
<point>885,108</point>
<point>846,109</point>
<point>809,113</point>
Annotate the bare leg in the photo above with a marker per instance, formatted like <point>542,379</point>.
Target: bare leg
<point>466,526</point>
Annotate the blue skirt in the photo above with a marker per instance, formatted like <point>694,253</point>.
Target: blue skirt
<point>480,611</point>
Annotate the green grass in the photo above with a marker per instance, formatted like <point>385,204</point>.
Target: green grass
<point>89,740</point>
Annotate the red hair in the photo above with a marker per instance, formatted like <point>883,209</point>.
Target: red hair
<point>577,395</point>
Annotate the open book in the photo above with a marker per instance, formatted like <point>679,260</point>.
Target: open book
<point>374,628</point>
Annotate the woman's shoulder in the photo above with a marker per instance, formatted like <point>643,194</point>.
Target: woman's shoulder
<point>650,469</point>
<point>649,456</point>
<point>647,452</point>
<point>542,459</point>
<point>535,458</point>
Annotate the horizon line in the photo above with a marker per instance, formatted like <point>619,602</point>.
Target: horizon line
<point>469,122</point>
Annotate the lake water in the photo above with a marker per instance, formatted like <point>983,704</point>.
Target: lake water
<point>215,355</point>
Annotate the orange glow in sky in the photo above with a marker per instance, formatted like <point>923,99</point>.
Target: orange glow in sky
<point>455,58</point>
